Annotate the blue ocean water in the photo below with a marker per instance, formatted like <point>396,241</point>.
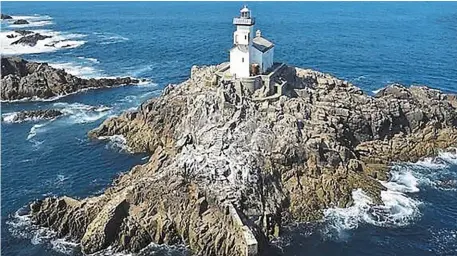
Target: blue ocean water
<point>369,44</point>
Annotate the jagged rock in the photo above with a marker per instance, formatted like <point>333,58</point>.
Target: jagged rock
<point>35,115</point>
<point>20,22</point>
<point>5,17</point>
<point>24,80</point>
<point>31,40</point>
<point>24,32</point>
<point>224,168</point>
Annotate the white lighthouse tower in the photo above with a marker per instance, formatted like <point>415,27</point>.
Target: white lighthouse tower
<point>251,54</point>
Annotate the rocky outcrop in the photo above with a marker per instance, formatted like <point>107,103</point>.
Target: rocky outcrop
<point>6,17</point>
<point>20,22</point>
<point>24,32</point>
<point>34,115</point>
<point>226,173</point>
<point>21,33</point>
<point>27,80</point>
<point>30,40</point>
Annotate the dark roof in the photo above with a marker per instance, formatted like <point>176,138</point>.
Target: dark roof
<point>262,44</point>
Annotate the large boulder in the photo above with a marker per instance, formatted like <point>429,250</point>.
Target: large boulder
<point>6,17</point>
<point>20,22</point>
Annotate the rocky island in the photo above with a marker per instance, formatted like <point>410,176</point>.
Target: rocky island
<point>24,80</point>
<point>230,168</point>
<point>20,22</point>
<point>5,17</point>
<point>26,115</point>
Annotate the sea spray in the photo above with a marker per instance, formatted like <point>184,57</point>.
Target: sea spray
<point>37,128</point>
<point>81,113</point>
<point>116,142</point>
<point>398,208</point>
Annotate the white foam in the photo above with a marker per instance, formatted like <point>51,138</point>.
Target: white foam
<point>34,21</point>
<point>9,117</point>
<point>359,78</point>
<point>437,172</point>
<point>77,70</point>
<point>64,246</point>
<point>398,210</point>
<point>20,225</point>
<point>34,98</point>
<point>342,219</point>
<point>449,156</point>
<point>431,163</point>
<point>40,23</point>
<point>31,17</point>
<point>81,113</point>
<point>376,91</point>
<point>57,41</point>
<point>94,60</point>
<point>402,180</point>
<point>37,128</point>
<point>118,142</point>
<point>111,38</point>
<point>401,210</point>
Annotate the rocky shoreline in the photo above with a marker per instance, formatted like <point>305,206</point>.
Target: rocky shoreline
<point>24,80</point>
<point>227,173</point>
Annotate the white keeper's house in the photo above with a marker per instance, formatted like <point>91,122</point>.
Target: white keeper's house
<point>251,53</point>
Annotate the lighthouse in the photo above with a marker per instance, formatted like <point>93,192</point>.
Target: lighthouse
<point>251,53</point>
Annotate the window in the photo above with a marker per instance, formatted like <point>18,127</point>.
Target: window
<point>242,60</point>
<point>245,37</point>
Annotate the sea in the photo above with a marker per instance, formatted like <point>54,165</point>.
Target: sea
<point>371,44</point>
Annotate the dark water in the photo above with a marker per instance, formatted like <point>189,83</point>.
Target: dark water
<point>370,44</point>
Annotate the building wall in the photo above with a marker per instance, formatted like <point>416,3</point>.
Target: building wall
<point>239,67</point>
<point>241,37</point>
<point>267,59</point>
<point>256,57</point>
<point>249,29</point>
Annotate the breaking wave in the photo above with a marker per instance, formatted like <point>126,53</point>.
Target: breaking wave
<point>37,128</point>
<point>81,113</point>
<point>57,41</point>
<point>77,69</point>
<point>436,172</point>
<point>9,117</point>
<point>116,142</point>
<point>76,112</point>
<point>20,225</point>
<point>399,208</point>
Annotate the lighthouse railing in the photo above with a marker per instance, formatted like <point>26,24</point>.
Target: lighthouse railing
<point>243,21</point>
